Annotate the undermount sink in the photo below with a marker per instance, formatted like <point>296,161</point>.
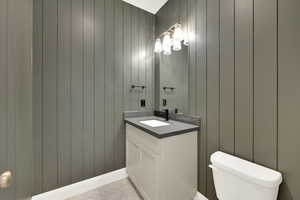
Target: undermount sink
<point>154,123</point>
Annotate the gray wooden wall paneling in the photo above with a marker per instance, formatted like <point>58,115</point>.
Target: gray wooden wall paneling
<point>159,21</point>
<point>77,90</point>
<point>11,91</point>
<point>288,97</point>
<point>99,140</point>
<point>144,54</point>
<point>88,88</point>
<point>227,67</point>
<point>4,165</point>
<point>119,137</point>
<point>138,57</point>
<point>148,48</point>
<point>137,62</point>
<point>193,92</point>
<point>127,57</point>
<point>37,91</point>
<point>109,84</point>
<point>134,59</point>
<point>12,94</point>
<point>192,57</point>
<point>83,85</point>
<point>16,137</point>
<point>150,77</point>
<point>64,93</point>
<point>265,83</point>
<point>49,95</point>
<point>141,57</point>
<point>21,53</point>
<point>244,79</point>
<point>213,86</point>
<point>201,90</point>
<point>183,93</point>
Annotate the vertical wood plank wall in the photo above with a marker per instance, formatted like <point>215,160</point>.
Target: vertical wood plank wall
<point>289,97</point>
<point>243,81</point>
<point>87,54</point>
<point>16,135</point>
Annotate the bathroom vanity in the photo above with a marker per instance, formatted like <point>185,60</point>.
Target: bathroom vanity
<point>162,157</point>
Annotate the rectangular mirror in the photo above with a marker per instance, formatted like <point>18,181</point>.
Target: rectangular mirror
<point>172,80</point>
<point>172,71</point>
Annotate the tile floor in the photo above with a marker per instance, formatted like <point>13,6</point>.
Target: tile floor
<point>120,190</point>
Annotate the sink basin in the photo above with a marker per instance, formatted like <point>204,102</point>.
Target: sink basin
<point>154,123</point>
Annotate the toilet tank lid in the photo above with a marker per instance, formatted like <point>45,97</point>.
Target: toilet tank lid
<point>246,170</point>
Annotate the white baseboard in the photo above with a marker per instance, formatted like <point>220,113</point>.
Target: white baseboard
<point>88,185</point>
<point>83,186</point>
<point>200,196</point>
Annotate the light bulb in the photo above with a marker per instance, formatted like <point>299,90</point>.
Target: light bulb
<point>176,45</point>
<point>158,46</point>
<point>178,34</point>
<point>167,51</point>
<point>167,41</point>
<point>186,40</point>
<point>167,44</point>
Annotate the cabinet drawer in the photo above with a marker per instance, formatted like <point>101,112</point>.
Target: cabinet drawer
<point>143,140</point>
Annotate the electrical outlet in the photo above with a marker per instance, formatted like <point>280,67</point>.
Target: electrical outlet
<point>143,103</point>
<point>164,102</point>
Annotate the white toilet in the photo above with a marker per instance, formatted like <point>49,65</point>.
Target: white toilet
<point>237,179</point>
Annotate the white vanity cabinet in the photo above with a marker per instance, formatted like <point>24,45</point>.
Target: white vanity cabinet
<point>162,168</point>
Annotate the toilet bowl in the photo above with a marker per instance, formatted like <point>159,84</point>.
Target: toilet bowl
<point>238,179</point>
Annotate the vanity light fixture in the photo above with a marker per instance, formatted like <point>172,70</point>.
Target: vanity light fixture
<point>172,39</point>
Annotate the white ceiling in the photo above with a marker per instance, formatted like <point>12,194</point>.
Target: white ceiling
<point>151,6</point>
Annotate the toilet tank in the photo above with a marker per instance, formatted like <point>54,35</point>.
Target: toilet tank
<point>238,179</point>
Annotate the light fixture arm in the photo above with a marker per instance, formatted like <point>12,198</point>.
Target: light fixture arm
<point>170,30</point>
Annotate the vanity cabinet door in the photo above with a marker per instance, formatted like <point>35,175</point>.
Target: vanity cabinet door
<point>133,158</point>
<point>142,161</point>
<point>149,170</point>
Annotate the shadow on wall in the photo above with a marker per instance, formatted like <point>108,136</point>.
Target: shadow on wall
<point>284,192</point>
